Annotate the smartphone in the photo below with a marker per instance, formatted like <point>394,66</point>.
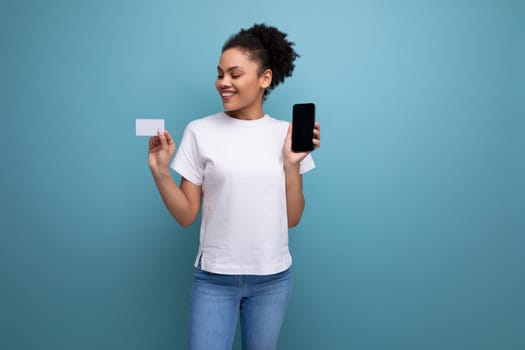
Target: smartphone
<point>303,121</point>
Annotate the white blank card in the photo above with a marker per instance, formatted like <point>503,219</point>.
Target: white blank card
<point>149,127</point>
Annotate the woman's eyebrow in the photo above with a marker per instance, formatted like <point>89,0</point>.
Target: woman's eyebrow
<point>229,69</point>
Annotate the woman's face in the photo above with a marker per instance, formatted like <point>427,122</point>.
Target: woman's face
<point>239,83</point>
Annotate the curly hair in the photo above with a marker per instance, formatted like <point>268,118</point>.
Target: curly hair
<point>268,46</point>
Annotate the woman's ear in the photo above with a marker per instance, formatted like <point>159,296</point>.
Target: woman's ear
<point>266,78</point>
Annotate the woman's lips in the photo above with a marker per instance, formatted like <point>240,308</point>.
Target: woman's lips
<point>227,95</point>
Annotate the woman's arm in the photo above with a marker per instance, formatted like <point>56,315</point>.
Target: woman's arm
<point>294,180</point>
<point>294,194</point>
<point>182,202</point>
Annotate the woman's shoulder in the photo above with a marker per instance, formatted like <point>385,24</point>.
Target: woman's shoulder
<point>279,124</point>
<point>204,122</point>
<point>217,120</point>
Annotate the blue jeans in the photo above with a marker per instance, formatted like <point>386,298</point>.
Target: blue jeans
<point>217,299</point>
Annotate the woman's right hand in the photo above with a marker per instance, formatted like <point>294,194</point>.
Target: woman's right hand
<point>161,149</point>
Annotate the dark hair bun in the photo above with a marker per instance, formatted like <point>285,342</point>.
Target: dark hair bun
<point>269,46</point>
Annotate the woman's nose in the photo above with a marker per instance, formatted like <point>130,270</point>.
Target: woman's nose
<point>224,82</point>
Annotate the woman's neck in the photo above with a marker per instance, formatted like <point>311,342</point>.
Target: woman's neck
<point>247,113</point>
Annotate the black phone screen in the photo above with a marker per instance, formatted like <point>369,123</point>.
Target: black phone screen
<point>303,121</point>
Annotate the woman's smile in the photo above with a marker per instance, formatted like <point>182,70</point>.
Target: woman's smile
<point>227,95</point>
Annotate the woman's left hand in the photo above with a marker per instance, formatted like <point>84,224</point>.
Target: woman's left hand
<point>291,158</point>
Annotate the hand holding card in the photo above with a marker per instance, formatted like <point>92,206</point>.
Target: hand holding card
<point>161,149</point>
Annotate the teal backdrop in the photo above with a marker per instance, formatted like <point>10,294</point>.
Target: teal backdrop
<point>413,234</point>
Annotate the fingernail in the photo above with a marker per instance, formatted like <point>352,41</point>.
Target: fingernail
<point>159,132</point>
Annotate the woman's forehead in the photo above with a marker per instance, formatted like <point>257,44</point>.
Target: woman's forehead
<point>236,57</point>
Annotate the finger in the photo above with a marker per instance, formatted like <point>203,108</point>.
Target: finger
<point>168,136</point>
<point>288,134</point>
<point>153,141</point>
<point>169,139</point>
<point>317,138</point>
<point>162,137</point>
<point>317,135</point>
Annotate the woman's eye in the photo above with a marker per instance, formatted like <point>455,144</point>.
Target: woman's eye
<point>235,76</point>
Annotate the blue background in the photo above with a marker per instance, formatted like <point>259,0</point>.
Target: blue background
<point>413,235</point>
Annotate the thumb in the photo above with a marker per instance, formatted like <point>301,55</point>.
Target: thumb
<point>289,133</point>
<point>162,138</point>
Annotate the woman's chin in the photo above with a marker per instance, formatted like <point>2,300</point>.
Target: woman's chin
<point>227,105</point>
<point>228,108</point>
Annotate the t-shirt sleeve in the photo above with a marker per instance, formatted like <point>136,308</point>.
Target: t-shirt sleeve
<point>187,160</point>
<point>306,164</point>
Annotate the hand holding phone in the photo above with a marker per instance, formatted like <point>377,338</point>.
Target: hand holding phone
<point>303,122</point>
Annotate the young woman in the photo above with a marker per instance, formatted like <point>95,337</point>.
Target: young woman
<point>241,163</point>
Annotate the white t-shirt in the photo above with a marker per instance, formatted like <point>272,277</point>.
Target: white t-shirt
<point>239,163</point>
